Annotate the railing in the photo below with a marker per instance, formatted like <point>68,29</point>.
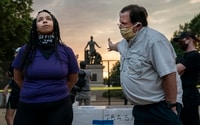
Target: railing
<point>105,101</point>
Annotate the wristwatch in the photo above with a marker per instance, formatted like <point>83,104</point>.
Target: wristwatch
<point>170,105</point>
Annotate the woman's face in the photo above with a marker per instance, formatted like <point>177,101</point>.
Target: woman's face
<point>44,23</point>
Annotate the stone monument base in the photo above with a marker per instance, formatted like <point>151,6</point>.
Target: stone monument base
<point>97,73</point>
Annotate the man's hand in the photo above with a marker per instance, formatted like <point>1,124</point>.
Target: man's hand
<point>112,46</point>
<point>174,110</point>
<point>109,45</point>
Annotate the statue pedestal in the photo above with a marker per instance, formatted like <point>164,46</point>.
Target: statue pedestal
<point>97,79</point>
<point>97,73</point>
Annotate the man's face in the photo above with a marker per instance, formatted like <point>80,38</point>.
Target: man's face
<point>183,44</point>
<point>124,20</point>
<point>127,29</point>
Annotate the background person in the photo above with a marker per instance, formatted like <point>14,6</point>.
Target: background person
<point>46,70</point>
<point>84,96</point>
<point>148,75</point>
<point>13,99</point>
<point>189,67</point>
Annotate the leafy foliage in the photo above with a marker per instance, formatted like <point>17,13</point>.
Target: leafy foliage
<point>114,80</point>
<point>15,24</point>
<point>114,77</point>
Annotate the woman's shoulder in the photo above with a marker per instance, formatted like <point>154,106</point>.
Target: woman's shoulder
<point>22,49</point>
<point>64,47</point>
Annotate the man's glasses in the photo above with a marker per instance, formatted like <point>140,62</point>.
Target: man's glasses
<point>122,25</point>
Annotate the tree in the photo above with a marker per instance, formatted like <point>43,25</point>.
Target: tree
<point>114,77</point>
<point>114,80</point>
<point>15,24</point>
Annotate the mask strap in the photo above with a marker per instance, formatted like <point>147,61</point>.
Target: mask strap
<point>137,24</point>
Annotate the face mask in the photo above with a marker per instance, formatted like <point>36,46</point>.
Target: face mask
<point>127,33</point>
<point>183,46</point>
<point>45,39</point>
<point>46,45</point>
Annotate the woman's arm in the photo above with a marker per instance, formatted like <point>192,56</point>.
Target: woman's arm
<point>18,77</point>
<point>5,90</point>
<point>180,68</point>
<point>71,80</point>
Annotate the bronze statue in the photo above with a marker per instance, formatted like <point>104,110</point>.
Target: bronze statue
<point>91,56</point>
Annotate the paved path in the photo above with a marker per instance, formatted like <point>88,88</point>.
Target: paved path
<point>2,116</point>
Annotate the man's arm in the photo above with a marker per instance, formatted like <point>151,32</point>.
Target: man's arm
<point>170,88</point>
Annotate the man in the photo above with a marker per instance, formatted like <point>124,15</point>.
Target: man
<point>83,96</point>
<point>148,74</point>
<point>189,68</point>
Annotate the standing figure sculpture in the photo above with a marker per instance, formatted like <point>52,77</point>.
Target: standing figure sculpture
<point>91,56</point>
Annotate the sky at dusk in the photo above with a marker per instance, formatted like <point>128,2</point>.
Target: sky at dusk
<point>80,19</point>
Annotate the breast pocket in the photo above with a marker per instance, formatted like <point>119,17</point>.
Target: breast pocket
<point>135,63</point>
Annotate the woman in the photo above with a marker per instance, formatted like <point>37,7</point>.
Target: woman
<point>46,70</point>
<point>13,99</point>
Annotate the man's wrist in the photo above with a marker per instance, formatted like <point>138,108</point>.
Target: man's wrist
<point>170,105</point>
